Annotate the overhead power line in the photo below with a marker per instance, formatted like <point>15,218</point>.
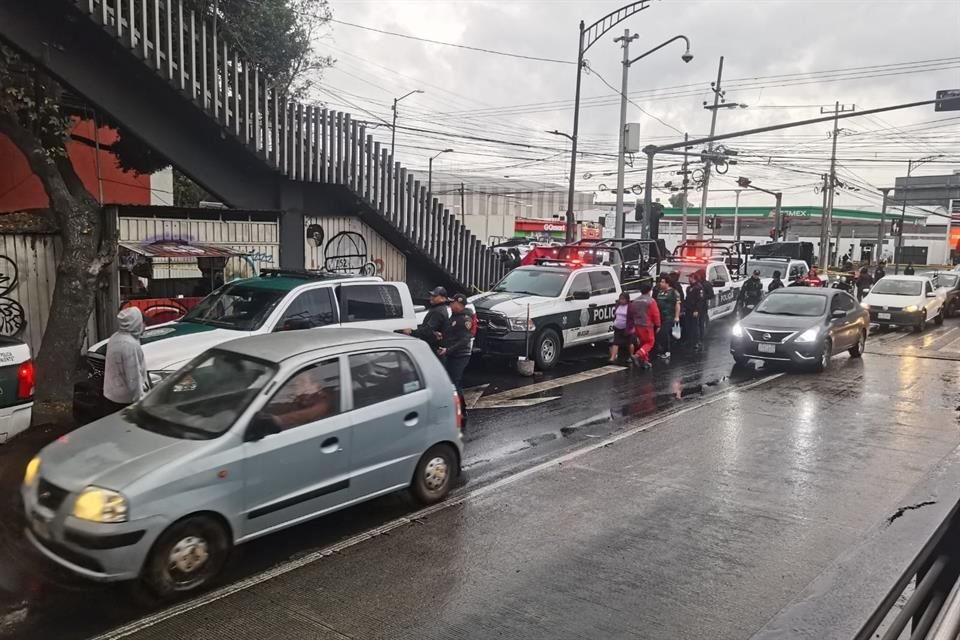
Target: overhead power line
<point>406,36</point>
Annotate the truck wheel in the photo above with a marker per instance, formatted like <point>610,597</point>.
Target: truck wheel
<point>922,325</point>
<point>546,349</point>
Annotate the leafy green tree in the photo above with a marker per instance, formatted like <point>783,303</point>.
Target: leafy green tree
<point>37,118</point>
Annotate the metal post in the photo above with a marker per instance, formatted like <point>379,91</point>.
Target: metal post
<point>778,216</point>
<point>706,165</point>
<point>880,229</point>
<point>571,220</point>
<point>647,227</point>
<point>736,218</point>
<point>686,183</point>
<point>430,182</point>
<point>898,251</point>
<point>828,214</point>
<point>619,229</point>
<point>393,128</point>
<point>463,209</point>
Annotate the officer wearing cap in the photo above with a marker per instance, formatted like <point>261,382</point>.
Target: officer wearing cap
<point>752,291</point>
<point>456,337</point>
<point>433,323</point>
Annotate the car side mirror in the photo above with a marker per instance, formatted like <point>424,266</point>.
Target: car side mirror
<point>262,425</point>
<point>581,295</point>
<point>719,283</point>
<point>931,294</point>
<point>838,313</point>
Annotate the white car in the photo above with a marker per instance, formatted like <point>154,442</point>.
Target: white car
<point>905,301</point>
<point>274,301</point>
<point>16,387</point>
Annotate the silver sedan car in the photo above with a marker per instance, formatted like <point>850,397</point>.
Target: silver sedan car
<point>249,438</point>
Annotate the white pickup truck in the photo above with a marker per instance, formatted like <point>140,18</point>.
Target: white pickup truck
<point>273,301</point>
<point>726,290</point>
<point>537,311</point>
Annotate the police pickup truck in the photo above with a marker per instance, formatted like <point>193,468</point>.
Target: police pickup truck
<point>726,290</point>
<point>538,310</point>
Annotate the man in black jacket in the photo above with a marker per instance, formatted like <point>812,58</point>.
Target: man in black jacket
<point>434,321</point>
<point>455,340</point>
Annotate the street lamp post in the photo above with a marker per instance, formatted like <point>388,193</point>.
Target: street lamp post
<point>746,183</point>
<point>621,152</point>
<point>430,174</point>
<point>911,165</point>
<point>588,37</point>
<point>393,129</point>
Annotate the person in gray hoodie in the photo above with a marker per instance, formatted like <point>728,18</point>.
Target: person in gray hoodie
<point>125,375</point>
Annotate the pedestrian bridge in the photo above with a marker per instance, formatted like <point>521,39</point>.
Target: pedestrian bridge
<point>159,68</point>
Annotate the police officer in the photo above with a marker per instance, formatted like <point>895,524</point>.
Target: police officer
<point>456,336</point>
<point>751,293</point>
<point>776,283</point>
<point>434,321</point>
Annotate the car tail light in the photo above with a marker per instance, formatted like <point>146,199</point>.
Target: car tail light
<point>25,379</point>
<point>459,409</point>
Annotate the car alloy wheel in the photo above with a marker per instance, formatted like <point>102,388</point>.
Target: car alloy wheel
<point>187,557</point>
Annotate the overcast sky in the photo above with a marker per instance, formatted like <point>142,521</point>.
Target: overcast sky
<point>468,93</point>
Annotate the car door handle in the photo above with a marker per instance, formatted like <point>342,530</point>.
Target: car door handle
<point>411,419</point>
<point>331,445</point>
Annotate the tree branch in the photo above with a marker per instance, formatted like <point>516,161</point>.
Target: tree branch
<point>40,162</point>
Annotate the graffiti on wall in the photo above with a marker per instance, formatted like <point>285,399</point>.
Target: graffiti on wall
<point>12,316</point>
<point>346,252</point>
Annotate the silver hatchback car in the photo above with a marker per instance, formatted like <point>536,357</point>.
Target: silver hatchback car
<point>251,437</point>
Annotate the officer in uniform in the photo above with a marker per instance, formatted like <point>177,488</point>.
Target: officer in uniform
<point>455,340</point>
<point>434,321</point>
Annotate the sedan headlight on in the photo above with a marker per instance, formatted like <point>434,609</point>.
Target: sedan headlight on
<point>100,505</point>
<point>810,335</point>
<point>911,308</point>
<point>156,377</point>
<point>865,306</point>
<point>33,469</point>
<point>737,331</point>
<point>521,324</point>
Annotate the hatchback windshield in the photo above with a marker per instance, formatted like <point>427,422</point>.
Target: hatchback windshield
<point>239,307</point>
<point>892,287</point>
<point>793,304</point>
<point>535,282</point>
<point>205,398</point>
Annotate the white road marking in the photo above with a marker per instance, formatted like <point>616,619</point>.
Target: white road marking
<point>547,385</point>
<point>320,554</point>
<point>472,395</point>
<point>511,403</point>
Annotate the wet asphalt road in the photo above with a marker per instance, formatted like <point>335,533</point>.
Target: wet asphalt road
<point>703,526</point>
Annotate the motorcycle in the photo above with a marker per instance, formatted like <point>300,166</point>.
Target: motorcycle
<point>844,283</point>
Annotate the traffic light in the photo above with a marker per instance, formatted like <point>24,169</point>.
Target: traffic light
<point>638,212</point>
<point>655,214</point>
<point>896,228</point>
<point>743,182</point>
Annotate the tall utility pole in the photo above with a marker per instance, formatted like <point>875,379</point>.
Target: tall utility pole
<point>463,209</point>
<point>880,228</point>
<point>911,164</point>
<point>706,165</point>
<point>686,183</point>
<point>826,216</point>
<point>393,129</point>
<point>620,226</point>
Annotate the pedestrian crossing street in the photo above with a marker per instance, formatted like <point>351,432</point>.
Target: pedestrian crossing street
<point>942,343</point>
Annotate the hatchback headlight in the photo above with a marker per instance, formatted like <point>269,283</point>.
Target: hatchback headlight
<point>100,505</point>
<point>33,469</point>
<point>911,308</point>
<point>810,335</point>
<point>737,331</point>
<point>521,324</point>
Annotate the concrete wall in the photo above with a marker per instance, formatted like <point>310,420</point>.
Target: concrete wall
<point>348,244</point>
